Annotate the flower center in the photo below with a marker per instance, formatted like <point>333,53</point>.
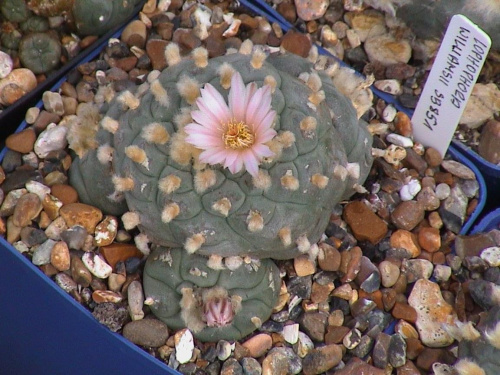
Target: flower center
<point>237,135</point>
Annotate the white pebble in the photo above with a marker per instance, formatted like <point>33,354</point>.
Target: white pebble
<point>441,272</point>
<point>304,345</point>
<point>97,265</point>
<point>390,86</point>
<point>399,140</point>
<point>41,255</point>
<point>135,297</point>
<point>491,255</point>
<point>408,191</point>
<point>51,139</point>
<point>291,333</point>
<point>52,101</point>
<point>184,346</point>
<point>37,188</point>
<point>32,114</point>
<point>224,349</point>
<point>233,263</point>
<point>389,113</point>
<point>6,64</point>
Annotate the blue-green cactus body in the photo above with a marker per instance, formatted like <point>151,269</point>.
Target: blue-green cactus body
<point>172,277</point>
<point>292,216</point>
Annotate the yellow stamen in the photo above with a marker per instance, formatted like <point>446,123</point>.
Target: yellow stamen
<point>237,135</point>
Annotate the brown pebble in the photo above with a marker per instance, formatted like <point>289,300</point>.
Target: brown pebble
<point>402,124</point>
<point>407,215</point>
<point>335,334</point>
<point>322,359</point>
<point>364,223</point>
<point>155,48</point>
<point>297,43</point>
<point>102,296</point>
<point>433,157</point>
<point>304,266</point>
<point>429,239</point>
<point>117,252</point>
<point>404,311</point>
<point>408,368</point>
<point>328,258</point>
<point>22,141</point>
<point>59,257</point>
<point>28,207</point>
<point>428,357</point>
<point>309,10</point>
<point>81,214</point>
<point>258,345</point>
<point>356,366</point>
<point>135,34</point>
<point>404,239</point>
<point>87,41</point>
<point>413,348</point>
<point>65,193</point>
<point>79,272</point>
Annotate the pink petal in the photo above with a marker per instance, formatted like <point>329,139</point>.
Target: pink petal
<point>250,91</point>
<point>203,141</point>
<point>266,123</point>
<point>253,106</point>
<point>264,106</point>
<point>205,118</point>
<point>236,166</point>
<point>215,103</point>
<point>265,136</point>
<point>213,156</point>
<point>231,156</point>
<point>236,97</point>
<point>251,162</point>
<point>262,151</point>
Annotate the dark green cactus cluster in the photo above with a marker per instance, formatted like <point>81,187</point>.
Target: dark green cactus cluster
<point>26,32</point>
<point>140,166</point>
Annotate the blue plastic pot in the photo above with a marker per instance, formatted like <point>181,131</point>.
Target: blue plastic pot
<point>43,330</point>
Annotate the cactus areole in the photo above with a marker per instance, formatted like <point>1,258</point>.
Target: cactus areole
<point>242,154</point>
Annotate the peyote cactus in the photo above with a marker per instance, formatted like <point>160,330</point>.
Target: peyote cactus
<point>241,156</point>
<point>14,10</point>
<point>320,151</point>
<point>214,304</point>
<point>40,52</point>
<point>95,17</point>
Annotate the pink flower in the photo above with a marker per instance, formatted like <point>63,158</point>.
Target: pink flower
<point>218,312</point>
<point>233,135</point>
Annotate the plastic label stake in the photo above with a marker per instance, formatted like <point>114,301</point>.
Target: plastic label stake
<point>451,79</point>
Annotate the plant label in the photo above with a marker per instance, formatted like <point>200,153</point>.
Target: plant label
<point>450,82</point>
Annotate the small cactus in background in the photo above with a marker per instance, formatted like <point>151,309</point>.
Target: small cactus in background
<point>14,10</point>
<point>96,17</point>
<point>40,52</point>
<point>225,303</point>
<point>254,190</point>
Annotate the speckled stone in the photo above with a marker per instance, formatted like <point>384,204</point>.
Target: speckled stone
<point>322,359</point>
<point>432,312</point>
<point>81,214</point>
